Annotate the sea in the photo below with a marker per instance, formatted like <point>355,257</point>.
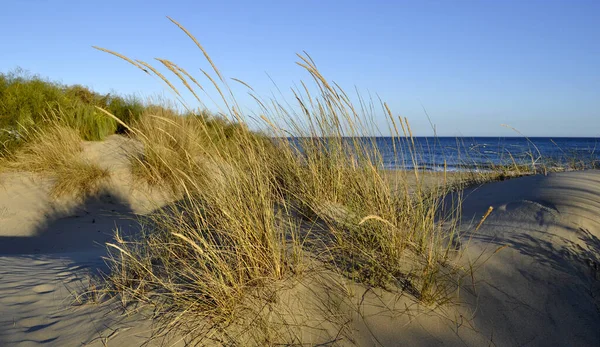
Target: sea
<point>485,153</point>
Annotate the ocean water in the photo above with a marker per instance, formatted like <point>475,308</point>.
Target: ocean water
<point>483,153</point>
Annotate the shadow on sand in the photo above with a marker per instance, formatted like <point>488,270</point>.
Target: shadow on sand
<point>38,273</point>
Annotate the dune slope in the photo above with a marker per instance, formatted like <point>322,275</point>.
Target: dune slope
<point>540,284</point>
<point>536,260</point>
<point>48,248</point>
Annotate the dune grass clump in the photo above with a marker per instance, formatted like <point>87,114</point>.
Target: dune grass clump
<point>249,206</point>
<point>226,239</point>
<point>182,141</point>
<point>55,150</point>
<point>79,178</point>
<point>48,150</point>
<point>383,232</point>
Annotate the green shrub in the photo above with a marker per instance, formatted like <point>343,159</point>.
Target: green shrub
<point>29,101</point>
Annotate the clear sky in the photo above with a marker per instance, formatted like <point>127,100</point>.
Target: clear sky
<point>473,65</point>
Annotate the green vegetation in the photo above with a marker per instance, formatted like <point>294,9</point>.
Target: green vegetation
<point>28,102</point>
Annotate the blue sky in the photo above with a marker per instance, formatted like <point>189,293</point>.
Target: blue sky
<point>473,65</point>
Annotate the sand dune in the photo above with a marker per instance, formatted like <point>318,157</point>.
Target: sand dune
<point>49,246</point>
<point>536,258</point>
<point>541,289</point>
<point>536,272</point>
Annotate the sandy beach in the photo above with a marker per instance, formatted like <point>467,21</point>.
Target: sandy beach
<point>388,173</point>
<point>535,261</point>
<point>48,248</point>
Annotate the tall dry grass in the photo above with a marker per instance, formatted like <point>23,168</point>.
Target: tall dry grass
<point>229,235</point>
<point>55,150</point>
<point>172,140</point>
<point>252,209</point>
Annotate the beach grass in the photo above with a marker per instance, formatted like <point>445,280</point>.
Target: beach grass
<point>28,101</point>
<point>250,211</point>
<point>249,208</point>
<point>55,151</point>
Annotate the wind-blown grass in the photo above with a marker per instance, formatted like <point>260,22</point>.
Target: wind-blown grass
<point>229,235</point>
<point>179,141</point>
<point>251,210</point>
<point>250,206</point>
<point>55,151</point>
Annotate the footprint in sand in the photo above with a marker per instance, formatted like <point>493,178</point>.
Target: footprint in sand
<point>38,262</point>
<point>4,213</point>
<point>43,289</point>
<point>33,323</point>
<point>21,300</point>
<point>39,327</point>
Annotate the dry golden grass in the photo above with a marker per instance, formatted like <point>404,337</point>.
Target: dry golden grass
<point>79,178</point>
<point>173,141</point>
<point>55,151</point>
<point>250,209</point>
<point>48,150</point>
<point>228,234</point>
